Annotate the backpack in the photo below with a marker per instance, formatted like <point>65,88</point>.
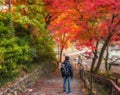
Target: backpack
<point>65,70</point>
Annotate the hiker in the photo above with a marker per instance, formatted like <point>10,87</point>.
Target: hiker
<point>67,74</point>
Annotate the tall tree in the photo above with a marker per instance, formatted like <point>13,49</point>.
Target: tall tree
<point>62,30</point>
<point>98,20</point>
<point>101,17</point>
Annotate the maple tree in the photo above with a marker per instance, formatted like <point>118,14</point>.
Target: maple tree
<point>60,23</point>
<point>102,19</point>
<point>54,8</point>
<point>98,21</point>
<point>62,30</point>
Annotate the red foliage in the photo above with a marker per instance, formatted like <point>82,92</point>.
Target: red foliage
<point>88,20</point>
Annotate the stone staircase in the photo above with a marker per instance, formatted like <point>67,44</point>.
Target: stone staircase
<point>53,86</point>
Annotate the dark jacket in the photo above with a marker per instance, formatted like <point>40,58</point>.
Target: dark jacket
<point>66,62</point>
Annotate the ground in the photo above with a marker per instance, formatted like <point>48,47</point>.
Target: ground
<point>53,86</point>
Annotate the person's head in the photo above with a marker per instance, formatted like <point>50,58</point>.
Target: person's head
<point>67,58</point>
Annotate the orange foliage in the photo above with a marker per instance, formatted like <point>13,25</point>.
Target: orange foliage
<point>88,20</point>
<point>16,2</point>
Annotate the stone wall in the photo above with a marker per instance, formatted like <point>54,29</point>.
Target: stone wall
<point>23,83</point>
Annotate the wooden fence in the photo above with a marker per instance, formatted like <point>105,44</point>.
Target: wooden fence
<point>98,85</point>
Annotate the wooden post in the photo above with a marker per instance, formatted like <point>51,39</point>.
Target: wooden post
<point>91,82</point>
<point>111,90</point>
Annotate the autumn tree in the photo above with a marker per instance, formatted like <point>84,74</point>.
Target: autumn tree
<point>62,30</point>
<point>60,23</point>
<point>98,23</point>
<point>102,18</point>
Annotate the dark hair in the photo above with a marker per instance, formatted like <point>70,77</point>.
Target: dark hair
<point>66,57</point>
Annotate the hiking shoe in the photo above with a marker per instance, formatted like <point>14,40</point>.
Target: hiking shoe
<point>70,93</point>
<point>64,92</point>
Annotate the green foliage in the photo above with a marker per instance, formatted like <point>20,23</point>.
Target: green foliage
<point>45,49</point>
<point>48,67</point>
<point>36,14</point>
<point>4,31</point>
<point>43,43</point>
<point>33,2</point>
<point>4,18</point>
<point>8,68</point>
<point>30,44</point>
<point>14,50</point>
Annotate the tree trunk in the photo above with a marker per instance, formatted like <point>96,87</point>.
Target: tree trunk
<point>95,58</point>
<point>61,51</point>
<point>62,47</point>
<point>111,32</point>
<point>106,59</point>
<point>102,53</point>
<point>11,20</point>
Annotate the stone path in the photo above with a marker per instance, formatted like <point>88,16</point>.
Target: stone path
<point>53,86</point>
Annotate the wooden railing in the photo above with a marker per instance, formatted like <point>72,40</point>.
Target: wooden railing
<point>98,85</point>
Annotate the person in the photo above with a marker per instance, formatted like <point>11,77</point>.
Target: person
<point>67,74</point>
